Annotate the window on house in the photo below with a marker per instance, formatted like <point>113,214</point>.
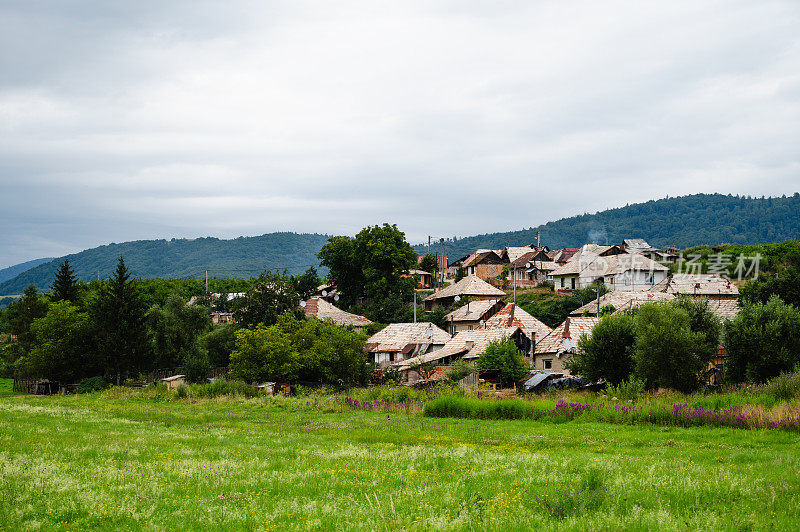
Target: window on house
<point>547,363</point>
<point>562,282</point>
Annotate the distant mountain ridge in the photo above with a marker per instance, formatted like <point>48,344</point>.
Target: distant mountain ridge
<point>680,221</point>
<point>182,258</point>
<point>13,271</point>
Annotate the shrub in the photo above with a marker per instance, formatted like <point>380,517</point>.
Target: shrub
<point>91,384</point>
<point>762,341</point>
<point>667,353</point>
<point>784,387</point>
<point>626,390</point>
<point>458,370</point>
<point>183,391</point>
<point>223,387</point>
<point>608,353</point>
<point>196,364</point>
<point>504,357</point>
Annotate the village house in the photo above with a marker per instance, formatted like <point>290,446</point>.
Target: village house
<point>214,297</point>
<point>424,279</point>
<point>399,341</point>
<point>319,308</point>
<point>452,267</point>
<point>554,350</point>
<point>609,265</point>
<point>470,286</point>
<point>512,315</point>
<point>485,264</point>
<point>707,285</point>
<point>721,293</point>
<point>472,315</point>
<point>622,300</point>
<point>468,345</point>
<point>561,256</point>
<point>531,269</point>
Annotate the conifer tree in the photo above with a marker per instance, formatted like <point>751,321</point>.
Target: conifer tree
<point>120,318</point>
<point>65,285</point>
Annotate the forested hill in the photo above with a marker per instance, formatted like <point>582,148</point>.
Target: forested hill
<point>13,271</point>
<point>239,257</point>
<point>681,222</point>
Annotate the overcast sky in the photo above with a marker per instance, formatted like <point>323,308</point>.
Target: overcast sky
<point>153,119</point>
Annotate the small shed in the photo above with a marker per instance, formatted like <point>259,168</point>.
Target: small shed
<point>174,381</point>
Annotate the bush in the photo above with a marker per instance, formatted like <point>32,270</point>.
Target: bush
<point>504,357</point>
<point>762,341</point>
<point>458,370</point>
<point>608,353</point>
<point>183,391</point>
<point>220,387</point>
<point>667,353</point>
<point>626,390</point>
<point>196,364</point>
<point>784,387</point>
<point>91,384</point>
<point>464,407</point>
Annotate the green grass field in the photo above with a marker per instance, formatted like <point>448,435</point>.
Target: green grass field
<point>6,385</point>
<point>95,462</point>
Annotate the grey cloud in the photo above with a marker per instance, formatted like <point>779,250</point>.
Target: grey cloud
<point>137,120</point>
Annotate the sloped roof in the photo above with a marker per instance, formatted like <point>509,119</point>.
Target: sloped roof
<point>513,315</point>
<point>515,252</point>
<point>590,264</point>
<point>572,328</point>
<point>725,309</point>
<point>398,336</point>
<point>470,285</point>
<point>623,300</point>
<point>321,309</point>
<point>563,255</point>
<point>481,254</point>
<point>469,343</point>
<point>701,284</point>
<point>474,311</point>
<point>636,243</point>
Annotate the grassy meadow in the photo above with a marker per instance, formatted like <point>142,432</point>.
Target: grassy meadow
<point>117,461</point>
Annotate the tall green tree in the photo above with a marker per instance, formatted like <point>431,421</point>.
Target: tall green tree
<point>667,353</point>
<point>762,341</point>
<point>702,320</point>
<point>371,264</point>
<point>272,295</point>
<point>608,352</point>
<point>21,314</point>
<point>174,330</point>
<point>119,312</point>
<point>306,283</point>
<point>65,284</point>
<point>429,263</point>
<point>62,345</point>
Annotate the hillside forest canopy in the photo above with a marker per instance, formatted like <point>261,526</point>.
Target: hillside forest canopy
<point>695,220</point>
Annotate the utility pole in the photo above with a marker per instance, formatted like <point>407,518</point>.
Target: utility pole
<point>515,283</point>
<point>538,239</point>
<point>206,282</point>
<point>429,244</point>
<point>415,306</point>
<point>442,262</point>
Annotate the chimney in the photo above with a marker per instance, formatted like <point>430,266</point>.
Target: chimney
<point>565,334</point>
